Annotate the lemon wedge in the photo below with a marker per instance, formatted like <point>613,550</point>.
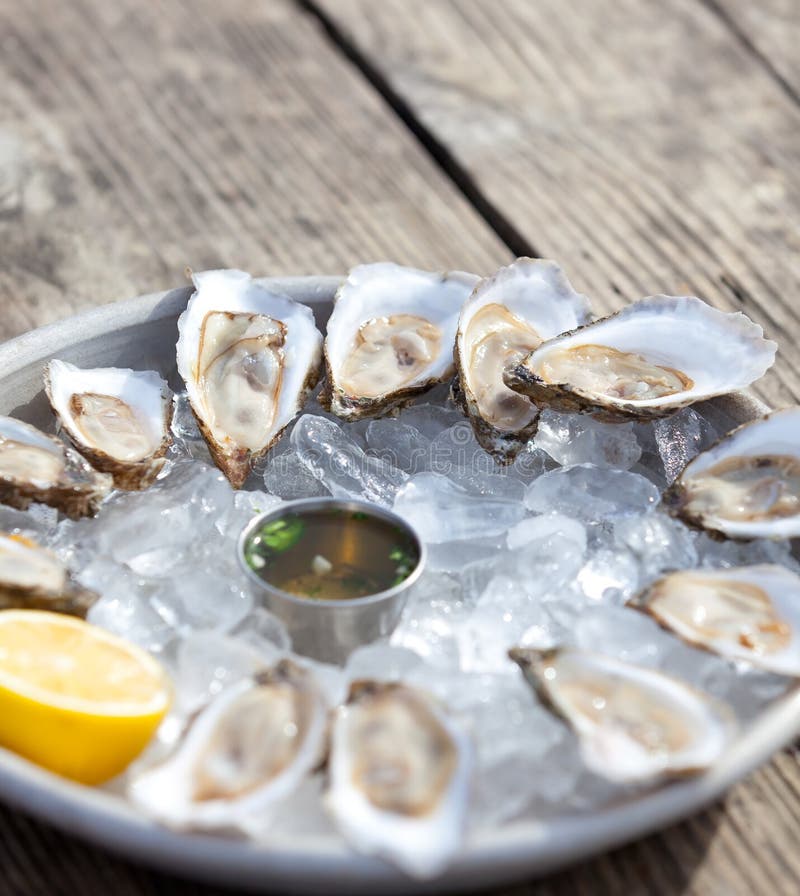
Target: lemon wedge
<point>74,698</point>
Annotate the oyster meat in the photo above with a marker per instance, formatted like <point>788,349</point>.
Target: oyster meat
<point>749,613</point>
<point>648,360</point>
<point>249,357</point>
<point>243,753</point>
<point>507,316</point>
<point>748,484</point>
<point>32,578</point>
<point>41,468</point>
<point>390,336</point>
<point>118,419</point>
<point>399,773</point>
<point>634,724</point>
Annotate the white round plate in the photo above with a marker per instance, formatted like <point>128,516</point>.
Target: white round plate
<point>141,333</point>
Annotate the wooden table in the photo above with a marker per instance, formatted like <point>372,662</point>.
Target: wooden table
<point>648,146</point>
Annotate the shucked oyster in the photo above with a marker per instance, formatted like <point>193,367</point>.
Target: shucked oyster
<point>506,317</point>
<point>399,773</point>
<point>648,360</point>
<point>38,467</point>
<point>748,484</point>
<point>390,336</point>
<point>749,613</point>
<point>249,358</point>
<point>118,419</point>
<point>634,724</point>
<point>247,750</point>
<point>31,578</point>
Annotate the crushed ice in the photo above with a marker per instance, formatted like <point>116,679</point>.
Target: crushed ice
<point>540,552</point>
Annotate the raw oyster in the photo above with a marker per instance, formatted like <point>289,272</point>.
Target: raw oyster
<point>748,613</point>
<point>748,484</point>
<point>648,360</point>
<point>249,358</point>
<point>390,336</point>
<point>634,724</point>
<point>399,773</point>
<point>506,317</point>
<point>246,751</point>
<point>38,467</point>
<point>118,419</point>
<point>32,578</point>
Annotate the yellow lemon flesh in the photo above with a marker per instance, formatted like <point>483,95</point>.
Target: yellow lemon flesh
<point>74,698</point>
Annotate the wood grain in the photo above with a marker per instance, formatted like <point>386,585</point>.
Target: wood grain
<point>772,29</point>
<point>641,144</point>
<point>206,135</point>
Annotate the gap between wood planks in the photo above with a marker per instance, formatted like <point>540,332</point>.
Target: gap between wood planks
<point>444,158</point>
<point>741,36</point>
<point>516,241</point>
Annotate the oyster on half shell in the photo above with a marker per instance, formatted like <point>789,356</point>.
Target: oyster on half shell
<point>41,468</point>
<point>399,772</point>
<point>634,724</point>
<point>241,755</point>
<point>648,360</point>
<point>390,337</point>
<point>749,613</point>
<point>32,578</point>
<point>118,419</point>
<point>507,316</point>
<point>748,484</point>
<point>249,357</point>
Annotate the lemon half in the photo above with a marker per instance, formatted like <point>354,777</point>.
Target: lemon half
<point>74,698</point>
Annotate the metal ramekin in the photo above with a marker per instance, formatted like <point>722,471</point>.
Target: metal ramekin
<point>330,630</point>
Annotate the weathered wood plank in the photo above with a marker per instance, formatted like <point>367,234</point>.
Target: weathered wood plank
<point>204,135</point>
<point>772,28</point>
<point>639,143</point>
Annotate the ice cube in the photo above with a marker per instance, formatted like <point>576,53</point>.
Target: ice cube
<point>205,663</point>
<point>456,450</point>
<point>552,527</point>
<point>591,493</point>
<point>381,662</point>
<point>398,444</point>
<point>333,457</point>
<point>428,625</point>
<point>504,612</point>
<point>187,440</point>
<point>442,511</point>
<point>680,438</point>
<point>286,476</point>
<point>658,542</point>
<point>610,576</point>
<point>430,419</point>
<point>578,439</point>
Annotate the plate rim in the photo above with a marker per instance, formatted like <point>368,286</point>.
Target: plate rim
<point>529,848</point>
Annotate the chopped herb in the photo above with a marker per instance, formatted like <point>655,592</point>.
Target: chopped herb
<point>280,535</point>
<point>360,515</point>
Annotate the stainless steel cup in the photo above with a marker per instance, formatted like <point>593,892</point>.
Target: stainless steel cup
<point>330,630</point>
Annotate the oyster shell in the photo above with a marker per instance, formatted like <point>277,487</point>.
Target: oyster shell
<point>399,773</point>
<point>118,419</point>
<point>32,578</point>
<point>749,613</point>
<point>390,336</point>
<point>38,467</point>
<point>648,360</point>
<point>634,724</point>
<point>249,358</point>
<point>506,317</point>
<point>243,753</point>
<point>748,484</point>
